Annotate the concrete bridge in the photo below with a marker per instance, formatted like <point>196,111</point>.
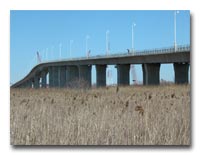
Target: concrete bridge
<point>63,72</point>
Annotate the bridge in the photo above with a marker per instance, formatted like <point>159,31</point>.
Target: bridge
<point>63,72</point>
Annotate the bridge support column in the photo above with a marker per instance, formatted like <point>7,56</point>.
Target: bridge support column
<point>151,74</point>
<point>24,85</point>
<point>101,75</point>
<point>50,70</point>
<point>72,74</point>
<point>36,81</point>
<point>144,74</point>
<point>20,86</point>
<point>55,70</point>
<point>85,73</point>
<point>62,76</point>
<point>44,79</point>
<point>29,84</point>
<point>123,74</point>
<point>181,72</point>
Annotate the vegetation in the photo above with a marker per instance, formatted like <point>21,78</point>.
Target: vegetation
<point>134,115</point>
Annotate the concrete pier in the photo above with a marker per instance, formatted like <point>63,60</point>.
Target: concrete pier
<point>44,78</point>
<point>55,70</point>
<point>85,74</point>
<point>25,85</point>
<point>36,81</point>
<point>144,74</point>
<point>123,74</point>
<point>22,86</point>
<point>181,73</point>
<point>151,73</point>
<point>101,75</point>
<point>62,76</point>
<point>29,84</point>
<point>72,74</point>
<point>50,70</point>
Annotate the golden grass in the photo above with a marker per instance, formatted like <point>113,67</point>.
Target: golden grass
<point>105,116</point>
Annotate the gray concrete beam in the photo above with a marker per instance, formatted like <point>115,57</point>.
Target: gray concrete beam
<point>123,74</point>
<point>85,74</point>
<point>151,74</point>
<point>101,75</point>
<point>181,73</point>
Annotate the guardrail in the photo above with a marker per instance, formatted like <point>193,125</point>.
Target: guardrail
<point>180,48</point>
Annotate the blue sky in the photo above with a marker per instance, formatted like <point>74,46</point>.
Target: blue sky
<point>45,31</point>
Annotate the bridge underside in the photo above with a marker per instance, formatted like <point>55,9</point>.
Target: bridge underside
<point>68,76</point>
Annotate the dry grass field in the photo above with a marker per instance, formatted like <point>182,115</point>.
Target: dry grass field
<point>106,116</point>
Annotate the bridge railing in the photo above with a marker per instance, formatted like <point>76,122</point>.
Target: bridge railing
<point>179,48</point>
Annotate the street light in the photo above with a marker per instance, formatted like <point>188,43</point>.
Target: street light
<point>60,46</point>
<point>133,25</point>
<point>47,54</point>
<point>107,42</point>
<point>175,45</point>
<point>52,49</point>
<point>86,44</point>
<point>70,47</point>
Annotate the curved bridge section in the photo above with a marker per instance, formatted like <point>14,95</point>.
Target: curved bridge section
<point>61,73</point>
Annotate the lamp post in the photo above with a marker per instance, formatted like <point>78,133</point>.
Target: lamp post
<point>107,42</point>
<point>86,45</point>
<point>46,54</point>
<point>133,25</point>
<point>52,49</point>
<point>70,47</point>
<point>60,46</point>
<point>175,45</point>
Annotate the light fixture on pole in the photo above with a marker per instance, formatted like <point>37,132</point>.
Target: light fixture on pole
<point>175,44</point>
<point>52,49</point>
<point>86,45</point>
<point>133,25</point>
<point>70,47</point>
<point>107,42</point>
<point>47,54</point>
<point>60,46</point>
